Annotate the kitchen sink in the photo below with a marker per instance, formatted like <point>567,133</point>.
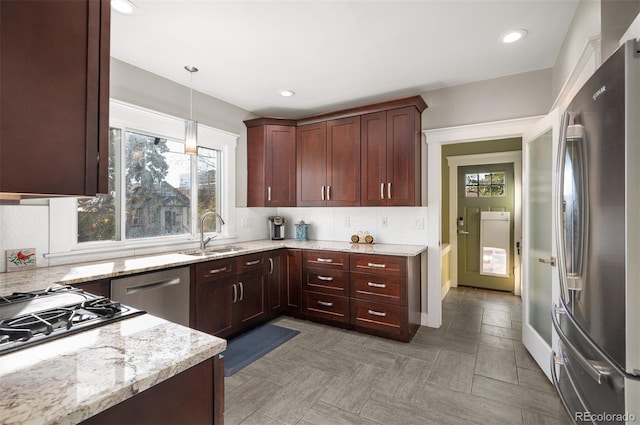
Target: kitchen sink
<point>213,251</point>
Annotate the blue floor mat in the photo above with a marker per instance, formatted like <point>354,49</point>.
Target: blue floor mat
<point>249,347</point>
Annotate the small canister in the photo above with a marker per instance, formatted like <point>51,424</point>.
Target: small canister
<point>302,231</point>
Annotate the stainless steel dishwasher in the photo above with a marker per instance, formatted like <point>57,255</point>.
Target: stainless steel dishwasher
<point>164,293</point>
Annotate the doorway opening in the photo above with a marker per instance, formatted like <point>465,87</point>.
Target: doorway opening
<point>485,231</point>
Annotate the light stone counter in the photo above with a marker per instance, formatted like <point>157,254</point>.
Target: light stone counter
<point>70,379</point>
<point>73,378</point>
<point>44,277</point>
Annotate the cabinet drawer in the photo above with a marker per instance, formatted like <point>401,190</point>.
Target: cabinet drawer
<point>251,262</point>
<point>328,307</point>
<point>218,269</point>
<point>379,264</point>
<point>326,259</point>
<point>386,318</point>
<point>327,281</point>
<point>379,288</point>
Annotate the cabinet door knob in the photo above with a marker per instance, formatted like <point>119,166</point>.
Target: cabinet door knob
<point>325,278</point>
<point>328,193</point>
<point>322,193</point>
<point>325,304</point>
<point>235,294</point>
<point>376,285</point>
<point>377,313</point>
<point>389,190</point>
<point>252,263</point>
<point>269,193</point>
<point>381,190</point>
<point>376,265</point>
<point>324,260</point>
<point>241,291</point>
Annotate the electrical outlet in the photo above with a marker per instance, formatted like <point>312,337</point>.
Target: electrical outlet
<point>347,221</point>
<point>419,223</point>
<point>384,222</point>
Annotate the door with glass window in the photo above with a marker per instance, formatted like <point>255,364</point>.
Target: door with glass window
<point>485,226</point>
<point>540,277</point>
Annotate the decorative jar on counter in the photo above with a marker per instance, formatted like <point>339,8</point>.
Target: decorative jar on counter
<point>302,231</point>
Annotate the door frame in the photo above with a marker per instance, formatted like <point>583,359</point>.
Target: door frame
<point>513,157</point>
<point>432,168</point>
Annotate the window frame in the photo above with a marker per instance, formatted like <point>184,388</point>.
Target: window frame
<point>63,232</point>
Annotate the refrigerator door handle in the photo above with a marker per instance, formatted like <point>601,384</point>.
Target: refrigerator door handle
<point>572,206</point>
<point>595,370</point>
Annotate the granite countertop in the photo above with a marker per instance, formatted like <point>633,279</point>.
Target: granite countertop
<point>42,277</point>
<point>73,378</point>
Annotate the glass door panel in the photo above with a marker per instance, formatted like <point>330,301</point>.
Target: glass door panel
<point>539,203</point>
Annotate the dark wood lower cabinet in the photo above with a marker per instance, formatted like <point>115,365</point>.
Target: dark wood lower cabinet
<point>194,396</point>
<point>214,306</point>
<point>228,302</point>
<point>293,281</point>
<point>277,294</point>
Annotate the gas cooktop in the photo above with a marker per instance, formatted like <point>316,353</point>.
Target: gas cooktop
<point>29,318</point>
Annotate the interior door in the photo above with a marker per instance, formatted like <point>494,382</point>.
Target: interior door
<point>488,187</point>
<point>540,278</point>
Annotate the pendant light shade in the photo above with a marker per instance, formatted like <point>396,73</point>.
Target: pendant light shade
<point>191,137</point>
<point>191,126</point>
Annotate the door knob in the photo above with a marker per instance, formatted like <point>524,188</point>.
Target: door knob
<point>462,232</point>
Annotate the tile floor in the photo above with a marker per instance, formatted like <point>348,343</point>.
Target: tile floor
<point>472,370</point>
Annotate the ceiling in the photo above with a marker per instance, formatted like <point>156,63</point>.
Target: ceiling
<point>336,54</point>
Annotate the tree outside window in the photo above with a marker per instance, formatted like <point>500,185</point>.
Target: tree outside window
<point>157,190</point>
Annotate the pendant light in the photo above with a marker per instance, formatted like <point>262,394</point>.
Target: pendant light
<point>191,126</point>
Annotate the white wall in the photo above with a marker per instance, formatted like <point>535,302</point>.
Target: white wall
<point>584,26</point>
<point>513,96</point>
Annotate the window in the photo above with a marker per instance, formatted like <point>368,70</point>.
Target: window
<point>484,185</point>
<point>155,189</point>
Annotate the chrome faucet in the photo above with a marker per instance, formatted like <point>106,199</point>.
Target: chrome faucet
<point>203,241</point>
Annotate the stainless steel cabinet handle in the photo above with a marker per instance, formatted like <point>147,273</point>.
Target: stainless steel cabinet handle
<point>252,263</point>
<point>389,190</point>
<point>322,193</point>
<point>270,265</point>
<point>152,285</point>
<point>381,190</point>
<point>551,261</point>
<point>380,266</point>
<point>241,291</point>
<point>325,278</point>
<point>324,260</point>
<point>269,193</point>
<point>376,313</point>
<point>235,294</point>
<point>328,193</point>
<point>596,371</point>
<point>325,304</point>
<point>214,271</point>
<point>376,285</point>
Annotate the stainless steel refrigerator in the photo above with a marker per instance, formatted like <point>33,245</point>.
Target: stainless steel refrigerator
<point>596,362</point>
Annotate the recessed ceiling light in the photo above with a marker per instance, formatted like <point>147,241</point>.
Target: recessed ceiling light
<point>287,93</point>
<point>513,36</point>
<point>126,7</point>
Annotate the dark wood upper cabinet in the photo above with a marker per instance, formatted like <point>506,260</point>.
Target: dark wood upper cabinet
<point>391,155</point>
<point>328,163</point>
<point>54,100</point>
<point>271,163</point>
